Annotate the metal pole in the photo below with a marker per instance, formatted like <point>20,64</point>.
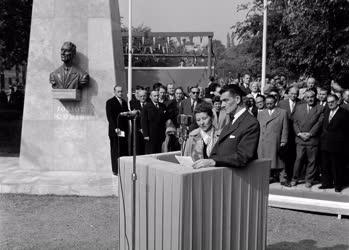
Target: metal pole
<point>264,49</point>
<point>129,70</point>
<point>134,179</point>
<point>129,95</point>
<point>209,54</point>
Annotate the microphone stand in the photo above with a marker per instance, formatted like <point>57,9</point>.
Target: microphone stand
<point>134,179</point>
<point>133,140</point>
<point>183,136</point>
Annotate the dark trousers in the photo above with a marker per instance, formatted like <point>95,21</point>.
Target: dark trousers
<point>289,159</point>
<point>115,153</point>
<point>140,143</point>
<point>153,146</point>
<point>305,152</point>
<point>332,164</point>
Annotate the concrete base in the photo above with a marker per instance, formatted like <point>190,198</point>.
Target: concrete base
<point>67,94</point>
<point>30,181</point>
<point>309,199</point>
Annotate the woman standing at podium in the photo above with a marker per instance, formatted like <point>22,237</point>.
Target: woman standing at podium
<point>201,140</point>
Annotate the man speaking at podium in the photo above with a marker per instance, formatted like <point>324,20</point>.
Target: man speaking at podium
<point>238,141</point>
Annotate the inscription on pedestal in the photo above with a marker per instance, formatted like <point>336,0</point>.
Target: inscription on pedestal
<point>73,113</point>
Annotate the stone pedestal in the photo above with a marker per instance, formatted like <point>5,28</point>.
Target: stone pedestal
<point>67,94</point>
<point>71,135</point>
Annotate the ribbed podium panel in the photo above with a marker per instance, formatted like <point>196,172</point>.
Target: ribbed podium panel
<point>184,209</point>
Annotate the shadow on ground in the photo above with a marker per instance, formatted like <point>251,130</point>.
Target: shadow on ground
<point>304,245</point>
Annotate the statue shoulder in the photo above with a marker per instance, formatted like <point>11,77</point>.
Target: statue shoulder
<point>57,71</point>
<point>78,70</point>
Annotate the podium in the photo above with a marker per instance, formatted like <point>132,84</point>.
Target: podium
<point>179,208</point>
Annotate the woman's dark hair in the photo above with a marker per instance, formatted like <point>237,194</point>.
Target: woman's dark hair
<point>204,107</point>
<point>216,99</point>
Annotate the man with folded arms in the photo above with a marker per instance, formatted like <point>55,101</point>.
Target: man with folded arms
<point>307,122</point>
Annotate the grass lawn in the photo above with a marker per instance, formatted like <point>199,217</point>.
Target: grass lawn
<point>70,222</point>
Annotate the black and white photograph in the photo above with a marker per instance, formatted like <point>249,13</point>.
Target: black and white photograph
<point>174,125</point>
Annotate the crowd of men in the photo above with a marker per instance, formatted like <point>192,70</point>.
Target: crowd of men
<point>13,98</point>
<point>303,125</point>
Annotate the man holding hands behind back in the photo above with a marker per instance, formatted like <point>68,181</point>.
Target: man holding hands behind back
<point>238,141</point>
<point>118,143</point>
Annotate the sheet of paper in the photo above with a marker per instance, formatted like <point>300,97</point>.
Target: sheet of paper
<point>185,161</point>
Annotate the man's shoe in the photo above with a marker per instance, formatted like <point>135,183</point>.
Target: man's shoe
<point>293,183</point>
<point>308,185</point>
<point>325,187</point>
<point>285,183</point>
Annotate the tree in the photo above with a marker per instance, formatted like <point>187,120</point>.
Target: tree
<point>15,19</point>
<point>304,37</point>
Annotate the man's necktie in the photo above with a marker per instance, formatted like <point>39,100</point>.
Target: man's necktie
<point>231,117</point>
<point>330,117</point>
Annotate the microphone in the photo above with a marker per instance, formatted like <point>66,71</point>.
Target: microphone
<point>132,113</point>
<point>182,133</point>
<point>184,120</point>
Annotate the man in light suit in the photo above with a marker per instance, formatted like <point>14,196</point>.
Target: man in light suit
<point>187,106</point>
<point>273,138</point>
<point>238,141</point>
<point>307,122</point>
<point>334,144</point>
<point>118,144</point>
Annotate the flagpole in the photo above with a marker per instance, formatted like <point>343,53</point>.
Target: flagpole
<point>129,95</point>
<point>264,48</point>
<point>129,69</point>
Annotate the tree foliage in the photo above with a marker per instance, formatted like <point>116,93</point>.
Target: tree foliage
<point>304,37</point>
<point>15,18</point>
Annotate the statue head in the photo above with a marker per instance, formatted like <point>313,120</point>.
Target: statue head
<point>68,52</point>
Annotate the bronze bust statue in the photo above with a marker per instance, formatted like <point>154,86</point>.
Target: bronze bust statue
<point>68,76</point>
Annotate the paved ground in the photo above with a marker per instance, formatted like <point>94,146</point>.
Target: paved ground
<point>59,222</point>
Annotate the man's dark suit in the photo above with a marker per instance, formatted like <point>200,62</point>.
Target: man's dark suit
<point>246,90</point>
<point>153,121</point>
<point>307,122</point>
<point>334,147</point>
<point>290,155</point>
<point>172,109</point>
<point>237,143</point>
<point>113,109</point>
<point>136,105</point>
<point>345,106</point>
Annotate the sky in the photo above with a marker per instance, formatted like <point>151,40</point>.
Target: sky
<point>185,15</point>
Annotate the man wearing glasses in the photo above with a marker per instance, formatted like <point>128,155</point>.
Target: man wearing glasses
<point>188,105</point>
